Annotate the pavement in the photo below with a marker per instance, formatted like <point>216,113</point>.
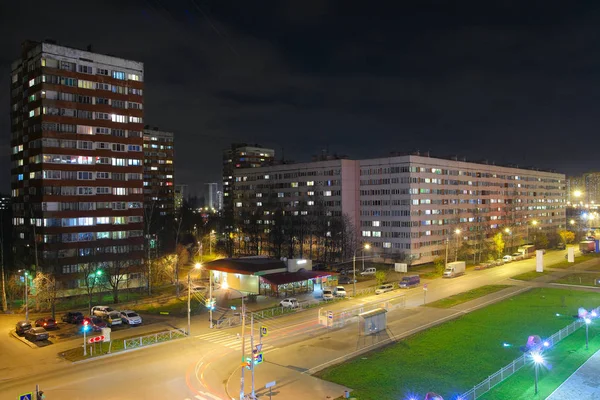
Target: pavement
<point>583,384</point>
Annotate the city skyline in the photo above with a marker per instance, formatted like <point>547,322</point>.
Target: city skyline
<point>486,85</point>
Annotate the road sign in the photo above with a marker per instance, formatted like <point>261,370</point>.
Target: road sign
<point>26,396</point>
<point>258,358</point>
<point>270,384</point>
<point>263,331</point>
<point>425,287</point>
<point>258,348</point>
<point>96,339</point>
<point>330,314</point>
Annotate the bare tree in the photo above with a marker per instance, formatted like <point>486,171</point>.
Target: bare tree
<point>46,288</point>
<point>91,275</point>
<point>116,272</point>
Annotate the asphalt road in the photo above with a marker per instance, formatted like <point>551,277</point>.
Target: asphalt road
<point>200,367</point>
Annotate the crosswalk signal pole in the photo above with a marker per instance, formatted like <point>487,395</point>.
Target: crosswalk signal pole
<point>253,349</point>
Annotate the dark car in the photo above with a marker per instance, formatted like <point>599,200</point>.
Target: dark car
<point>72,317</point>
<point>35,334</point>
<point>96,324</point>
<point>22,327</point>
<point>345,280</point>
<point>46,323</point>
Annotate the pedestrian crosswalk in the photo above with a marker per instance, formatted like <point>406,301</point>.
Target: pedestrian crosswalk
<point>233,341</point>
<point>205,396</point>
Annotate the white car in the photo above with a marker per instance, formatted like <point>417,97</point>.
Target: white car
<point>340,291</point>
<point>101,311</point>
<point>289,303</point>
<point>130,317</point>
<point>368,271</point>
<point>114,318</point>
<point>507,258</point>
<point>327,294</point>
<point>388,287</point>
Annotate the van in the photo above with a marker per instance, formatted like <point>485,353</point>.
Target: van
<point>114,318</point>
<point>388,287</point>
<point>368,271</point>
<point>410,281</point>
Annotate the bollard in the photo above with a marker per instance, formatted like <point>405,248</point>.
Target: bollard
<point>346,394</point>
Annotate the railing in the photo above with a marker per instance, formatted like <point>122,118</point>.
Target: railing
<point>337,319</point>
<point>155,338</point>
<point>498,376</point>
<point>236,319</point>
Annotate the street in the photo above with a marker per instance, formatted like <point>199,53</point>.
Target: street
<point>207,365</point>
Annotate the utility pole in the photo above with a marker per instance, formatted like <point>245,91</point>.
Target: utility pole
<point>243,347</point>
<point>26,298</point>
<point>446,265</point>
<point>4,303</point>
<point>210,308</point>
<point>252,347</point>
<point>189,303</point>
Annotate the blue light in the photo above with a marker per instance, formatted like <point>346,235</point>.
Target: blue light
<point>506,344</point>
<point>546,344</point>
<point>557,314</point>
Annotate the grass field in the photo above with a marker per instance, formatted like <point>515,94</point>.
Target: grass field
<point>460,298</point>
<point>561,361</point>
<point>453,357</point>
<point>531,275</point>
<point>579,279</point>
<point>579,259</point>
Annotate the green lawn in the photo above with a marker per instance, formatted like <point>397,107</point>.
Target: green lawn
<point>579,279</point>
<point>579,259</point>
<point>460,298</point>
<point>562,360</point>
<point>453,357</point>
<point>531,275</point>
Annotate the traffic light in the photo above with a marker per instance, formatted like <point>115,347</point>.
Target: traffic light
<point>39,395</point>
<point>86,325</point>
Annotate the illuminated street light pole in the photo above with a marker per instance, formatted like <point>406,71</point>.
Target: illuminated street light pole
<point>226,286</point>
<point>587,325</point>
<point>367,247</point>
<point>197,266</point>
<point>537,360</point>
<point>457,231</point>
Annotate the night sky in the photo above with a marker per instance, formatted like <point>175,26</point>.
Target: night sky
<point>511,82</point>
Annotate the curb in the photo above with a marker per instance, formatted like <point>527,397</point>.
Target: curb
<point>121,352</point>
<point>13,333</point>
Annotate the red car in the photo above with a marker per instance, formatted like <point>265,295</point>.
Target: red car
<point>96,324</point>
<point>46,323</point>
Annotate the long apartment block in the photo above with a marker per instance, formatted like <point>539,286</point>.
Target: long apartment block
<point>409,204</point>
<point>77,161</point>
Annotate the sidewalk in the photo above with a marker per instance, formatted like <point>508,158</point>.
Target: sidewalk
<point>583,384</point>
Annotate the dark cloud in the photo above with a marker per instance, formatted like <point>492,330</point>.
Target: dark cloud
<point>509,81</point>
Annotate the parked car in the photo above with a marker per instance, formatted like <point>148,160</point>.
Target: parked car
<point>72,317</point>
<point>388,287</point>
<point>22,327</point>
<point>327,294</point>
<point>507,258</point>
<point>289,303</point>
<point>561,246</point>
<point>96,324</point>
<point>46,323</point>
<point>198,288</point>
<point>368,271</point>
<point>131,317</point>
<point>35,334</point>
<point>499,261</point>
<point>114,318</point>
<point>346,280</point>
<point>340,291</point>
<point>409,281</point>
<point>517,256</point>
<point>101,311</point>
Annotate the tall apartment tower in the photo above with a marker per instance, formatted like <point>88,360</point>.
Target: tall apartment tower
<point>77,163</point>
<point>159,172</point>
<point>211,196</point>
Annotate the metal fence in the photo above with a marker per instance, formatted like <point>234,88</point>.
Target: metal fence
<point>498,376</point>
<point>154,338</point>
<point>236,318</point>
<point>338,319</point>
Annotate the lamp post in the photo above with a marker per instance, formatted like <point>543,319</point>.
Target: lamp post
<point>197,266</point>
<point>534,223</point>
<point>26,274</point>
<point>587,325</point>
<point>242,395</point>
<point>537,360</point>
<point>366,246</point>
<point>457,232</point>
<point>210,285</point>
<point>210,242</point>
<point>508,232</point>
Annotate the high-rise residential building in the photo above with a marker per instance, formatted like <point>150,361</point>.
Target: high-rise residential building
<point>410,205</point>
<point>242,155</point>
<point>211,196</point>
<point>77,164</point>
<point>181,195</point>
<point>159,172</point>
<point>584,189</point>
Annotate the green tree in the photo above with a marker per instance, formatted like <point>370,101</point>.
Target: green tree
<point>440,265</point>
<point>498,244</point>
<point>380,277</point>
<point>541,241</point>
<point>566,236</point>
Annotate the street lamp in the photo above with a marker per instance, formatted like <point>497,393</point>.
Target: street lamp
<point>366,246</point>
<point>225,286</point>
<point>210,241</point>
<point>26,294</point>
<point>587,325</point>
<point>457,231</point>
<point>197,266</point>
<point>508,232</point>
<point>537,360</point>
<point>534,223</point>
<point>210,285</point>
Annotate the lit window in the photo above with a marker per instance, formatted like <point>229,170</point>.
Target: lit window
<point>376,223</point>
<point>310,183</point>
<point>294,184</point>
<point>327,193</point>
<point>366,233</point>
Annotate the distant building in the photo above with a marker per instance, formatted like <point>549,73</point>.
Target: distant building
<point>5,202</point>
<point>219,200</point>
<point>211,196</point>
<point>181,195</point>
<point>159,171</point>
<point>77,162</point>
<point>584,189</point>
<point>407,205</point>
